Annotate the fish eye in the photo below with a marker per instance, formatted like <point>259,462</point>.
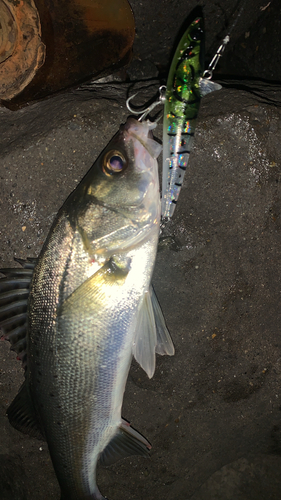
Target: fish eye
<point>113,163</point>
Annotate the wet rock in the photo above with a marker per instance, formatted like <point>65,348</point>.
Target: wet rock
<point>13,481</point>
<point>217,278</point>
<point>248,478</point>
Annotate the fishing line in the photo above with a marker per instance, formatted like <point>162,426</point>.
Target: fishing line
<point>208,73</point>
<point>237,18</point>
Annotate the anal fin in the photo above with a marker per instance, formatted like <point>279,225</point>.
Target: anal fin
<point>125,443</point>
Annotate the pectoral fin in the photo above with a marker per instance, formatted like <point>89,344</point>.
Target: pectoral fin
<point>145,339</point>
<point>151,335</point>
<point>164,342</point>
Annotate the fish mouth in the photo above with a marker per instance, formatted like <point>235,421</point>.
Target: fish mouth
<point>131,121</point>
<point>141,131</point>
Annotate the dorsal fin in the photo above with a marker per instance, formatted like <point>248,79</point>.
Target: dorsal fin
<point>22,416</point>
<point>14,291</point>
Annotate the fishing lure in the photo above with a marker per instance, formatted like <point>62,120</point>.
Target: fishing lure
<point>187,82</point>
<point>185,87</point>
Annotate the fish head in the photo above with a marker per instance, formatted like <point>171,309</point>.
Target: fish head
<point>121,190</point>
<point>126,173</point>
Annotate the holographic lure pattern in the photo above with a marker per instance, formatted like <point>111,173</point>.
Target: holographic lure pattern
<point>180,112</point>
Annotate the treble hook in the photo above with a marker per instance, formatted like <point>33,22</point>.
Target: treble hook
<point>146,111</point>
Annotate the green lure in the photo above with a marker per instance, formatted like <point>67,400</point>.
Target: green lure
<point>185,87</point>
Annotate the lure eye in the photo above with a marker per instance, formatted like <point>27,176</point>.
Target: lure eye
<point>113,163</point>
<point>196,34</point>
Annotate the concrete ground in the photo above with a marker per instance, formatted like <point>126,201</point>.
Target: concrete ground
<point>213,411</point>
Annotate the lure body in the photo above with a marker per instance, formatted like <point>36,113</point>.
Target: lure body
<point>180,112</point>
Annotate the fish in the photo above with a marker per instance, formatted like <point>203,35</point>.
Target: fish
<point>79,313</point>
<point>185,87</point>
